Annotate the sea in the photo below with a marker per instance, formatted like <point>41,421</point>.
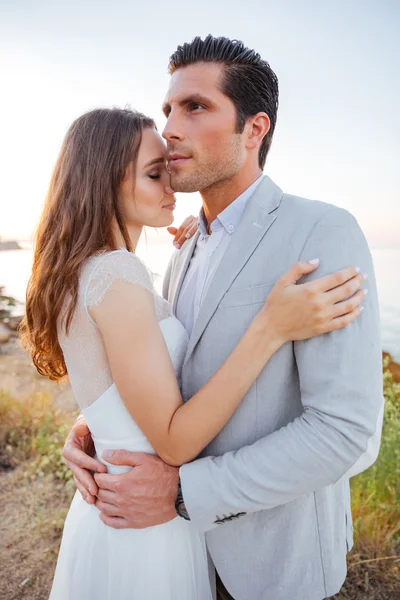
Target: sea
<point>15,267</point>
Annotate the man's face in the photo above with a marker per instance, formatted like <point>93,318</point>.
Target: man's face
<point>202,143</point>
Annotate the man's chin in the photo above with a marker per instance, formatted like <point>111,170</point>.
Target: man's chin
<point>184,184</point>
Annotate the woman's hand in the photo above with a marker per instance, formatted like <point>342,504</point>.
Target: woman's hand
<point>184,232</point>
<point>78,452</point>
<point>301,311</point>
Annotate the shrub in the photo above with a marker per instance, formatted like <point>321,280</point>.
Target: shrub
<point>33,432</point>
<point>376,492</point>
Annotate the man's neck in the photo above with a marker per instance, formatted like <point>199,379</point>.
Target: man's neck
<point>217,197</point>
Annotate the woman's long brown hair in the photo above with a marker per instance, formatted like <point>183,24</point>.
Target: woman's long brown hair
<point>77,221</point>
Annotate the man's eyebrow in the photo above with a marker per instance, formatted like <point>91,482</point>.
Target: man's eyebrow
<point>155,161</point>
<point>166,107</point>
<point>199,98</point>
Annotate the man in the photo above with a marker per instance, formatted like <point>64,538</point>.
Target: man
<point>272,490</point>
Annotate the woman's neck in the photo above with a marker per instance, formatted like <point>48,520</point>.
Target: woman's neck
<point>134,233</point>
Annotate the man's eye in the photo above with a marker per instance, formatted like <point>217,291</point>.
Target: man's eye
<point>195,106</point>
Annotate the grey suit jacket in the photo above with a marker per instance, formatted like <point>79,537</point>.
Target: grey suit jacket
<point>272,490</point>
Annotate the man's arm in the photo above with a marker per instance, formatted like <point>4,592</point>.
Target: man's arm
<point>341,391</point>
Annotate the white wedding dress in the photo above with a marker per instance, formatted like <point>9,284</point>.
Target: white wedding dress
<point>96,562</point>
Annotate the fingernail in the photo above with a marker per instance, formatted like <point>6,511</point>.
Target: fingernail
<point>361,308</point>
<point>314,261</point>
<point>187,236</point>
<point>107,454</point>
<point>357,269</point>
<point>365,292</point>
<point>365,275</point>
<point>177,246</point>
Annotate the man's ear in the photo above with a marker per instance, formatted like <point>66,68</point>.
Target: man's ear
<point>257,128</point>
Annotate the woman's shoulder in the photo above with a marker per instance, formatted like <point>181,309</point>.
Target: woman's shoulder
<point>101,270</point>
<point>115,263</point>
<point>117,258</point>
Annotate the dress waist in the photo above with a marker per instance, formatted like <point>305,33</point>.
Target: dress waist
<point>136,445</point>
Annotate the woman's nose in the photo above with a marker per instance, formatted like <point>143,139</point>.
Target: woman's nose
<point>169,189</point>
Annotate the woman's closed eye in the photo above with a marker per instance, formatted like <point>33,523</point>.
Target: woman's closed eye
<point>154,175</point>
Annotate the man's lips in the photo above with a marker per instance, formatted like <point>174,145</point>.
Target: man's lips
<point>177,159</point>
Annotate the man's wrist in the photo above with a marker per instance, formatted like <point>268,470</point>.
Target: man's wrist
<point>180,506</point>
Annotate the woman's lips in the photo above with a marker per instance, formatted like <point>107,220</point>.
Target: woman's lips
<point>171,206</point>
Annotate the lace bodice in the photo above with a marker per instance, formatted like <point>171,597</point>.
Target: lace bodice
<point>83,348</point>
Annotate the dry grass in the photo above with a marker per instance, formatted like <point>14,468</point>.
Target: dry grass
<point>371,579</point>
<point>33,514</point>
<point>374,564</point>
<point>36,489</point>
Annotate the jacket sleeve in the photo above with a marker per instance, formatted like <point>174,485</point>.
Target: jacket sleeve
<point>338,432</point>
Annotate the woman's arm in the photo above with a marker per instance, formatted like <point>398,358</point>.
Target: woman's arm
<point>144,376</point>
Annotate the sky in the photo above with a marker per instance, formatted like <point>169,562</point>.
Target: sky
<point>338,133</point>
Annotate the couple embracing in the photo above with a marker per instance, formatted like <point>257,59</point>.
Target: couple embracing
<point>220,423</point>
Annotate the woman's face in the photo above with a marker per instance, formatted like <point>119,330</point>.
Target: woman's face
<point>145,196</point>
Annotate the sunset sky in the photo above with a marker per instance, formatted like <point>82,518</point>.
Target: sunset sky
<point>338,63</point>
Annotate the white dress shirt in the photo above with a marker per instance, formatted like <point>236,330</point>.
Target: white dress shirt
<point>210,249</point>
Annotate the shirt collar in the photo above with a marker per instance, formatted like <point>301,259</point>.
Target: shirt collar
<point>229,218</point>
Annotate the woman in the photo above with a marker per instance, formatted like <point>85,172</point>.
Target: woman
<point>89,299</point>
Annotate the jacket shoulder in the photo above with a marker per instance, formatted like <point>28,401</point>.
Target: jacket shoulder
<point>312,212</point>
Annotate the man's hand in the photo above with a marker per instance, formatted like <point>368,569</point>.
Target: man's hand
<point>78,452</point>
<point>143,497</point>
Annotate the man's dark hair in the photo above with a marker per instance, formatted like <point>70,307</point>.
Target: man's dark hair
<point>247,79</point>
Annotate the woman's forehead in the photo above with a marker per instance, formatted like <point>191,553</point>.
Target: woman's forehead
<point>152,147</point>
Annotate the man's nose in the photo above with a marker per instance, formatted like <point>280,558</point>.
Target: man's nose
<point>172,131</point>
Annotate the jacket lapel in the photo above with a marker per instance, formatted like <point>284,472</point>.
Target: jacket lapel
<point>181,266</point>
<point>257,219</point>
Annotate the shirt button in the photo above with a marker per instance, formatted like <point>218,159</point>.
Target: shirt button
<point>230,228</point>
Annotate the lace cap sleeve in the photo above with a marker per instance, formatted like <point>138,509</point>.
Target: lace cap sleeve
<point>119,264</point>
